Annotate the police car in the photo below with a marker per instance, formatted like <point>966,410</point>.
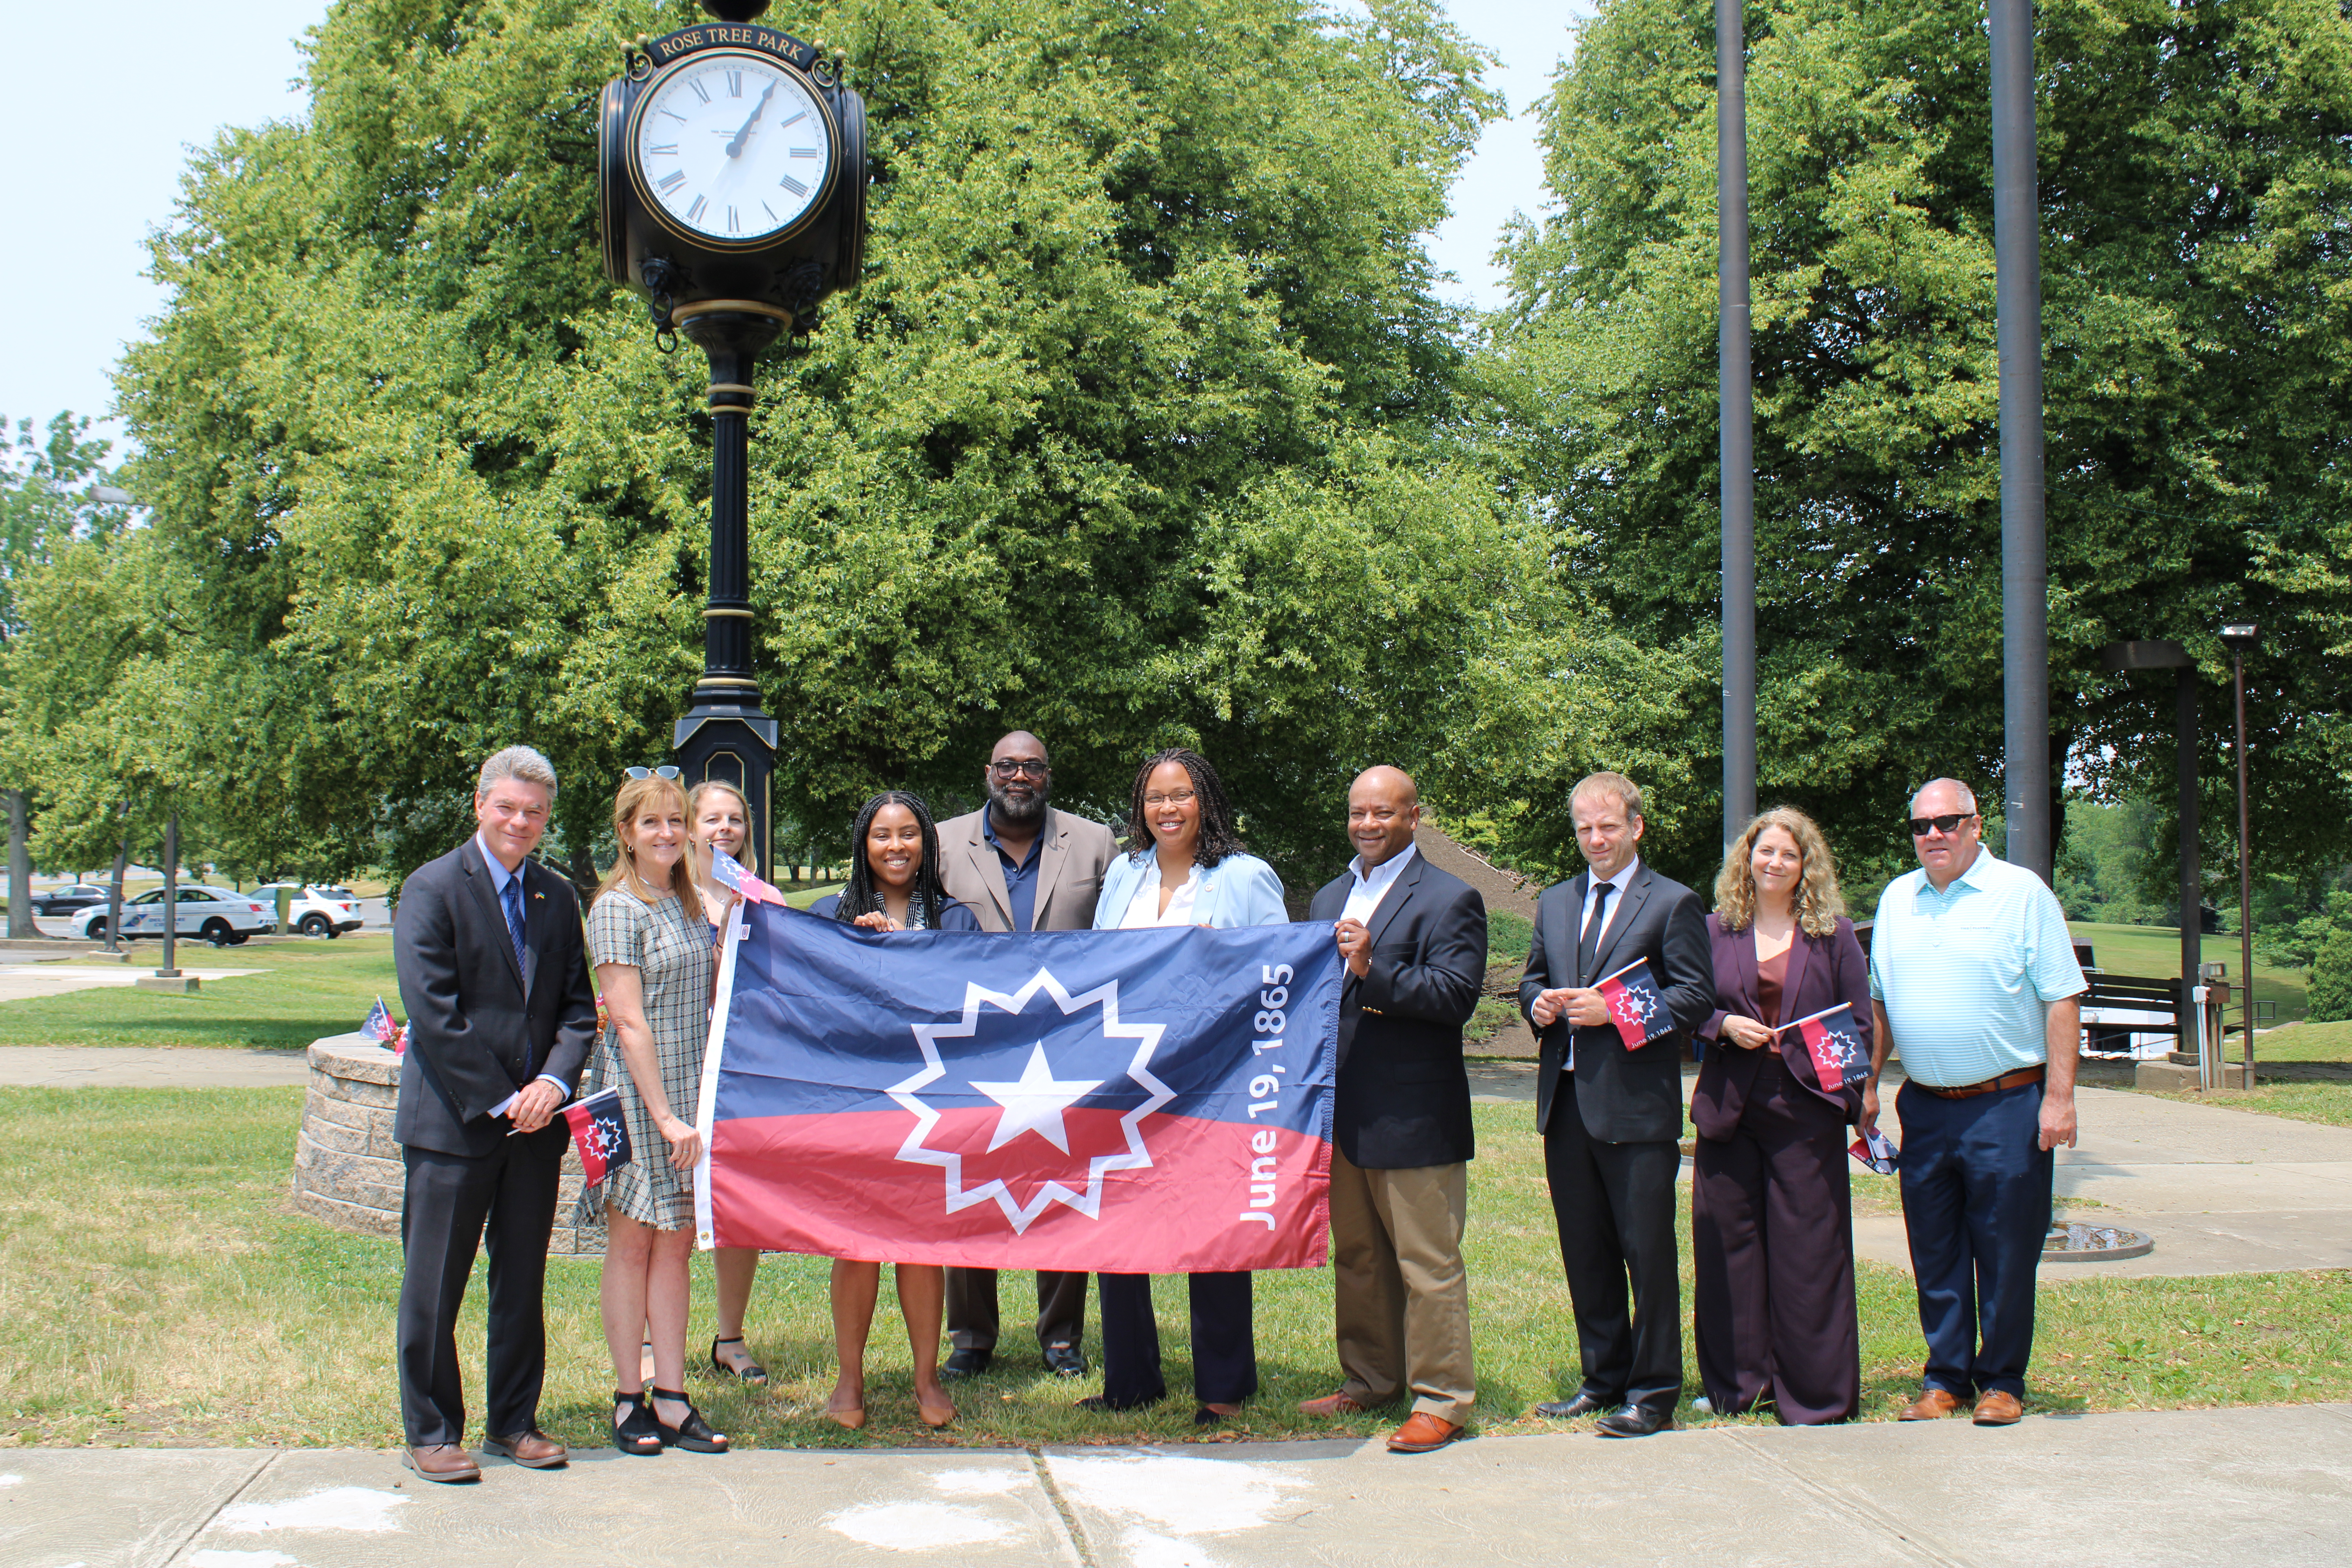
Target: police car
<point>220,916</point>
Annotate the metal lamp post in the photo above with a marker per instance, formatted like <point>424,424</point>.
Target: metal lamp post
<point>1736,411</point>
<point>731,274</point>
<point>2238,639</point>
<point>2024,557</point>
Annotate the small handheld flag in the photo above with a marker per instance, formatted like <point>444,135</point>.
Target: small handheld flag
<point>1835,1046</point>
<point>380,1028</point>
<point>600,1133</point>
<point>732,873</point>
<point>1876,1150</point>
<point>1633,1004</point>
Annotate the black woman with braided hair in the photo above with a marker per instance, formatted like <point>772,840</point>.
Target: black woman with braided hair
<point>1183,866</point>
<point>894,886</point>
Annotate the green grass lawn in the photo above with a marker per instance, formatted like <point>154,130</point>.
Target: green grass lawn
<point>2154,951</point>
<point>309,989</point>
<point>156,1288</point>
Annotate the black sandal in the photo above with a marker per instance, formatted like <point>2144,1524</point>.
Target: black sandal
<point>752,1372</point>
<point>638,1432</point>
<point>693,1434</point>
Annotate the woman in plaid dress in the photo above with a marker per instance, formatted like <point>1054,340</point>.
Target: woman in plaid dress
<point>651,947</point>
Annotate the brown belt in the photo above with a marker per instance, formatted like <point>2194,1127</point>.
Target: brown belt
<point>2017,1080</point>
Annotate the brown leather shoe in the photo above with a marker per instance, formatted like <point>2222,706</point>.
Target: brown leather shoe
<point>1332,1405</point>
<point>1933,1405</point>
<point>533,1449</point>
<point>1423,1433</point>
<point>1998,1409</point>
<point>443,1462</point>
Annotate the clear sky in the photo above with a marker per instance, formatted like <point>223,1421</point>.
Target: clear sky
<point>173,73</point>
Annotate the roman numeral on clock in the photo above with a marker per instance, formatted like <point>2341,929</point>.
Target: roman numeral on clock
<point>663,150</point>
<point>804,152</point>
<point>694,213</point>
<point>793,186</point>
<point>734,84</point>
<point>670,182</point>
<point>795,120</point>
<point>700,92</point>
<point>732,226</point>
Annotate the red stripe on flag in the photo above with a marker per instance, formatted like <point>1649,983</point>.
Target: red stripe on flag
<point>834,1185</point>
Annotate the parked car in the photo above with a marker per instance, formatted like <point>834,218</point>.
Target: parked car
<point>317,909</point>
<point>68,901</point>
<point>219,915</point>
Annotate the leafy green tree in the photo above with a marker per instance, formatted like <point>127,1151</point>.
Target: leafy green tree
<point>2195,191</point>
<point>1137,431</point>
<point>49,498</point>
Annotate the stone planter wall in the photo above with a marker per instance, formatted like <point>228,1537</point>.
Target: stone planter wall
<point>347,1168</point>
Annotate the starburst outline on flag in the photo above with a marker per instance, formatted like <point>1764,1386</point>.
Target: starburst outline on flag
<point>1022,1215</point>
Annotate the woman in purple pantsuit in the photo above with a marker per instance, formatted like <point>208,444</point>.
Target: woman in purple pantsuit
<point>1772,1207</point>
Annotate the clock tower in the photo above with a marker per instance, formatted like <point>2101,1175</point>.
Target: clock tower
<point>731,190</point>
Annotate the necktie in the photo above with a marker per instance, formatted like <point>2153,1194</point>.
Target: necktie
<point>1588,951</point>
<point>512,900</point>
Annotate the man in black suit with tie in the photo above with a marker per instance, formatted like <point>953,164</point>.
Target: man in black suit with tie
<point>1610,1118</point>
<point>1414,938</point>
<point>501,1013</point>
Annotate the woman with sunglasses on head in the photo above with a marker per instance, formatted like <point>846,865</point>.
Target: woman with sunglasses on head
<point>1184,865</point>
<point>1771,1202</point>
<point>894,886</point>
<point>651,948</point>
<point>719,818</point>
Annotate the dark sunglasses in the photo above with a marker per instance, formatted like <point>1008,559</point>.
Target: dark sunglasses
<point>1011,766</point>
<point>664,771</point>
<point>1948,823</point>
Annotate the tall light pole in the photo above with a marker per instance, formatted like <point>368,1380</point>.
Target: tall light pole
<point>2238,639</point>
<point>1736,429</point>
<point>2024,559</point>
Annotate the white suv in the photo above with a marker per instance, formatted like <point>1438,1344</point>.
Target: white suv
<point>316,910</point>
<point>218,915</point>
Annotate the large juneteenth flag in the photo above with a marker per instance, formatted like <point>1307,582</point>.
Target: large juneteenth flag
<point>1133,1101</point>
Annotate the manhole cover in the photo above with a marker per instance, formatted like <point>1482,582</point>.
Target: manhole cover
<point>2072,1241</point>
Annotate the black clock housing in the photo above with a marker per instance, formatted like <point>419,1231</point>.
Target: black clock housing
<point>823,253</point>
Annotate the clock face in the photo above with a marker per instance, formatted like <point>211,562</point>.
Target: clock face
<point>733,148</point>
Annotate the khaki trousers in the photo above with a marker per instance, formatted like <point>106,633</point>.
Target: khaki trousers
<point>1403,1296</point>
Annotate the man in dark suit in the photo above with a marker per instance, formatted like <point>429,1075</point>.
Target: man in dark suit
<point>1019,865</point>
<point>501,1015</point>
<point>1414,938</point>
<point>1610,1118</point>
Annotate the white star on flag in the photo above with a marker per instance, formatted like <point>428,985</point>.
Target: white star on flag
<point>1035,1102</point>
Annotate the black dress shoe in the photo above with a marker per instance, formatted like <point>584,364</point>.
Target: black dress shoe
<point>1633,1421</point>
<point>1066,1361</point>
<point>1574,1409</point>
<point>965,1364</point>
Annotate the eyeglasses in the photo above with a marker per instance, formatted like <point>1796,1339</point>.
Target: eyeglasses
<point>1036,767</point>
<point>1154,802</point>
<point>1948,823</point>
<point>664,771</point>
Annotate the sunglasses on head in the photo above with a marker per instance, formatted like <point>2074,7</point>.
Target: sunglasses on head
<point>664,771</point>
<point>1947,822</point>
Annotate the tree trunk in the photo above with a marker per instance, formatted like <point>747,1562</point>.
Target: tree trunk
<point>584,872</point>
<point>20,872</point>
<point>114,896</point>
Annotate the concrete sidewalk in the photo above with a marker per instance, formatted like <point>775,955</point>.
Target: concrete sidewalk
<point>23,982</point>
<point>150,1066</point>
<point>2221,1191</point>
<point>2270,1486</point>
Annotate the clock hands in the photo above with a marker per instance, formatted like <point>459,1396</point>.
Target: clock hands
<point>736,146</point>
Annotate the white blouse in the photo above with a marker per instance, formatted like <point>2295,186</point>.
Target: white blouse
<point>1143,909</point>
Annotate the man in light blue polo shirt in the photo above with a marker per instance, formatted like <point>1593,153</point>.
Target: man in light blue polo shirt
<point>1972,976</point>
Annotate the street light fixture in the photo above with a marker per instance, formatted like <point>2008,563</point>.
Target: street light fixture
<point>2238,639</point>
